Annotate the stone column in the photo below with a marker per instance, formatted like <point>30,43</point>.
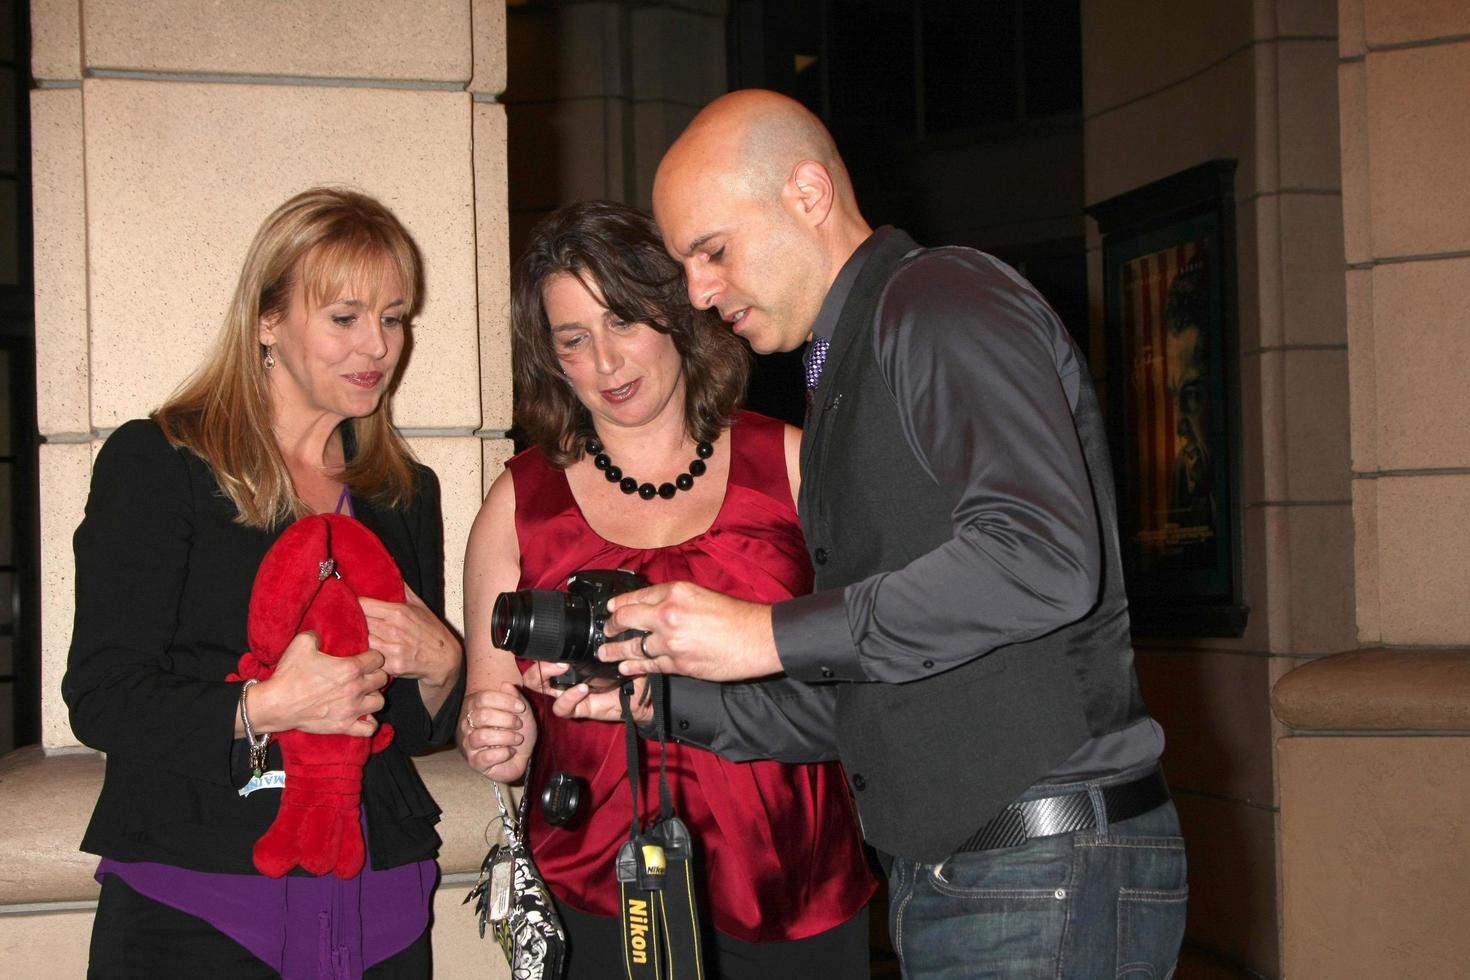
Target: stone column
<point>1406,205</point>
<point>1167,87</point>
<point>1373,780</point>
<point>597,90</point>
<point>163,134</point>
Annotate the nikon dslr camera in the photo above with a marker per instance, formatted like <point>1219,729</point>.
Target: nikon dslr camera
<point>565,627</point>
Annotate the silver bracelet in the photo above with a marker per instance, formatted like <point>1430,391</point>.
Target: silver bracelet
<point>257,743</point>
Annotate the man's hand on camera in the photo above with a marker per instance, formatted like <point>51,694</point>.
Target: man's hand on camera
<point>580,701</point>
<point>691,631</point>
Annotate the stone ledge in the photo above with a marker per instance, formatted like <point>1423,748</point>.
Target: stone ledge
<point>46,799</point>
<point>1378,690</point>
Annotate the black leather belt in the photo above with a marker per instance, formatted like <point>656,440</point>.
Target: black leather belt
<point>1050,815</point>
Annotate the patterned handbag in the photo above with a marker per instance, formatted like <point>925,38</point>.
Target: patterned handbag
<point>512,897</point>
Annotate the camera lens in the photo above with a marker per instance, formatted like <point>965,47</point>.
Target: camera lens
<point>541,624</point>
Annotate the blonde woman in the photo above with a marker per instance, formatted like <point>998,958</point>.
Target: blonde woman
<point>289,416</point>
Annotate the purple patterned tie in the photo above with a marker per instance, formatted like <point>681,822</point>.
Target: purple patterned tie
<point>815,358</point>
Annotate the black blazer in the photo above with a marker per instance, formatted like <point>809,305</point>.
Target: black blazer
<point>163,584</point>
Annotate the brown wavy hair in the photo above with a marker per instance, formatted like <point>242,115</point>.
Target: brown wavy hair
<point>617,249</point>
<point>223,413</point>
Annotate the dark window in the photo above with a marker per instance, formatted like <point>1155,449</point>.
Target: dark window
<point>969,64</point>
<point>870,65</point>
<point>1052,35</point>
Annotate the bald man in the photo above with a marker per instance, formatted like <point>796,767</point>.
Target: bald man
<point>967,647</point>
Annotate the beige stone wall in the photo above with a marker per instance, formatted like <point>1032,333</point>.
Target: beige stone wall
<point>1406,203</point>
<point>1373,787</point>
<point>1254,80</point>
<point>163,133</point>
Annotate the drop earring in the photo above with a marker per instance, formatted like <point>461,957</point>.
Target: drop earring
<point>269,360</point>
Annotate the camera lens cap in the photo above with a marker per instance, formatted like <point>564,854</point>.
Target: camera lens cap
<point>561,799</point>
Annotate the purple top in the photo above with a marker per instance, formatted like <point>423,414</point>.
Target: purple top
<point>303,927</point>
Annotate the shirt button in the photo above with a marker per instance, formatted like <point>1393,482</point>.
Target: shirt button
<point>929,664</point>
<point>820,556</point>
<point>858,782</point>
<point>827,672</point>
<point>683,724</point>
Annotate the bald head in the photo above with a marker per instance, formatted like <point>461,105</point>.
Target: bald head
<point>756,138</point>
<point>753,199</point>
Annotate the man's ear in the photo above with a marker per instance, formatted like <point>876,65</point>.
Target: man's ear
<point>809,193</point>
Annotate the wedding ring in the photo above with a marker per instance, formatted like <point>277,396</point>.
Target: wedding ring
<point>469,720</point>
<point>643,646</point>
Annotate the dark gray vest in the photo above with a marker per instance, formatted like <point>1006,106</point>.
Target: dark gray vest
<point>931,761</point>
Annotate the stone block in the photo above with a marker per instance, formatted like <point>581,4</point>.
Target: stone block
<point>52,944</point>
<point>1214,706</point>
<point>1420,350</point>
<point>1315,450</point>
<point>1424,559</point>
<point>1308,585</point>
<point>564,51</point>
<point>179,178</point>
<point>1263,378</point>
<point>1362,371</point>
<point>459,952</point>
<point>1365,561</point>
<point>1306,77</point>
<point>60,215</point>
<point>65,477</point>
<point>56,40</point>
<point>493,263</point>
<point>456,461</point>
<point>1254,421</point>
<point>494,452</point>
<point>467,802</point>
<point>1262,589</point>
<point>347,39</point>
<point>1357,199</point>
<point>1373,862</point>
<point>565,151</point>
<point>1419,184</point>
<point>1312,301</point>
<point>1203,117</point>
<point>678,56</point>
<point>1391,690</point>
<point>1182,40</point>
<point>1322,599</point>
<point>1350,43</point>
<point>1307,18</point>
<point>1231,848</point>
<point>1396,22</point>
<point>1258,271</point>
<point>487,22</point>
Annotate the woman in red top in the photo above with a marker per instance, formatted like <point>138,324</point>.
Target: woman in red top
<point>620,383</point>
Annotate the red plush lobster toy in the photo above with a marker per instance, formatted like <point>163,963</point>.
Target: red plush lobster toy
<point>310,580</point>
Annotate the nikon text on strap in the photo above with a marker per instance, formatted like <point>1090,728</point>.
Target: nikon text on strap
<point>655,868</point>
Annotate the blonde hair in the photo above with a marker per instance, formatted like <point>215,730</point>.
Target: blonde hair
<point>322,237</point>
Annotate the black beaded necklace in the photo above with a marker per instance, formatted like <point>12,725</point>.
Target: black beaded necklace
<point>684,481</point>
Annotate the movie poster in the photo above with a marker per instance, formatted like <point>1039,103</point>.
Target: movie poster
<point>1166,314</point>
<point>1172,395</point>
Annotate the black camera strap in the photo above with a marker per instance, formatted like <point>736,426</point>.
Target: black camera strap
<point>655,868</point>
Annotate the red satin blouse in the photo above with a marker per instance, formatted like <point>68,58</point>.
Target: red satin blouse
<point>780,843</point>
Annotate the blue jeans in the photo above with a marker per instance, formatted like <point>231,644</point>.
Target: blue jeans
<point>1106,902</point>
